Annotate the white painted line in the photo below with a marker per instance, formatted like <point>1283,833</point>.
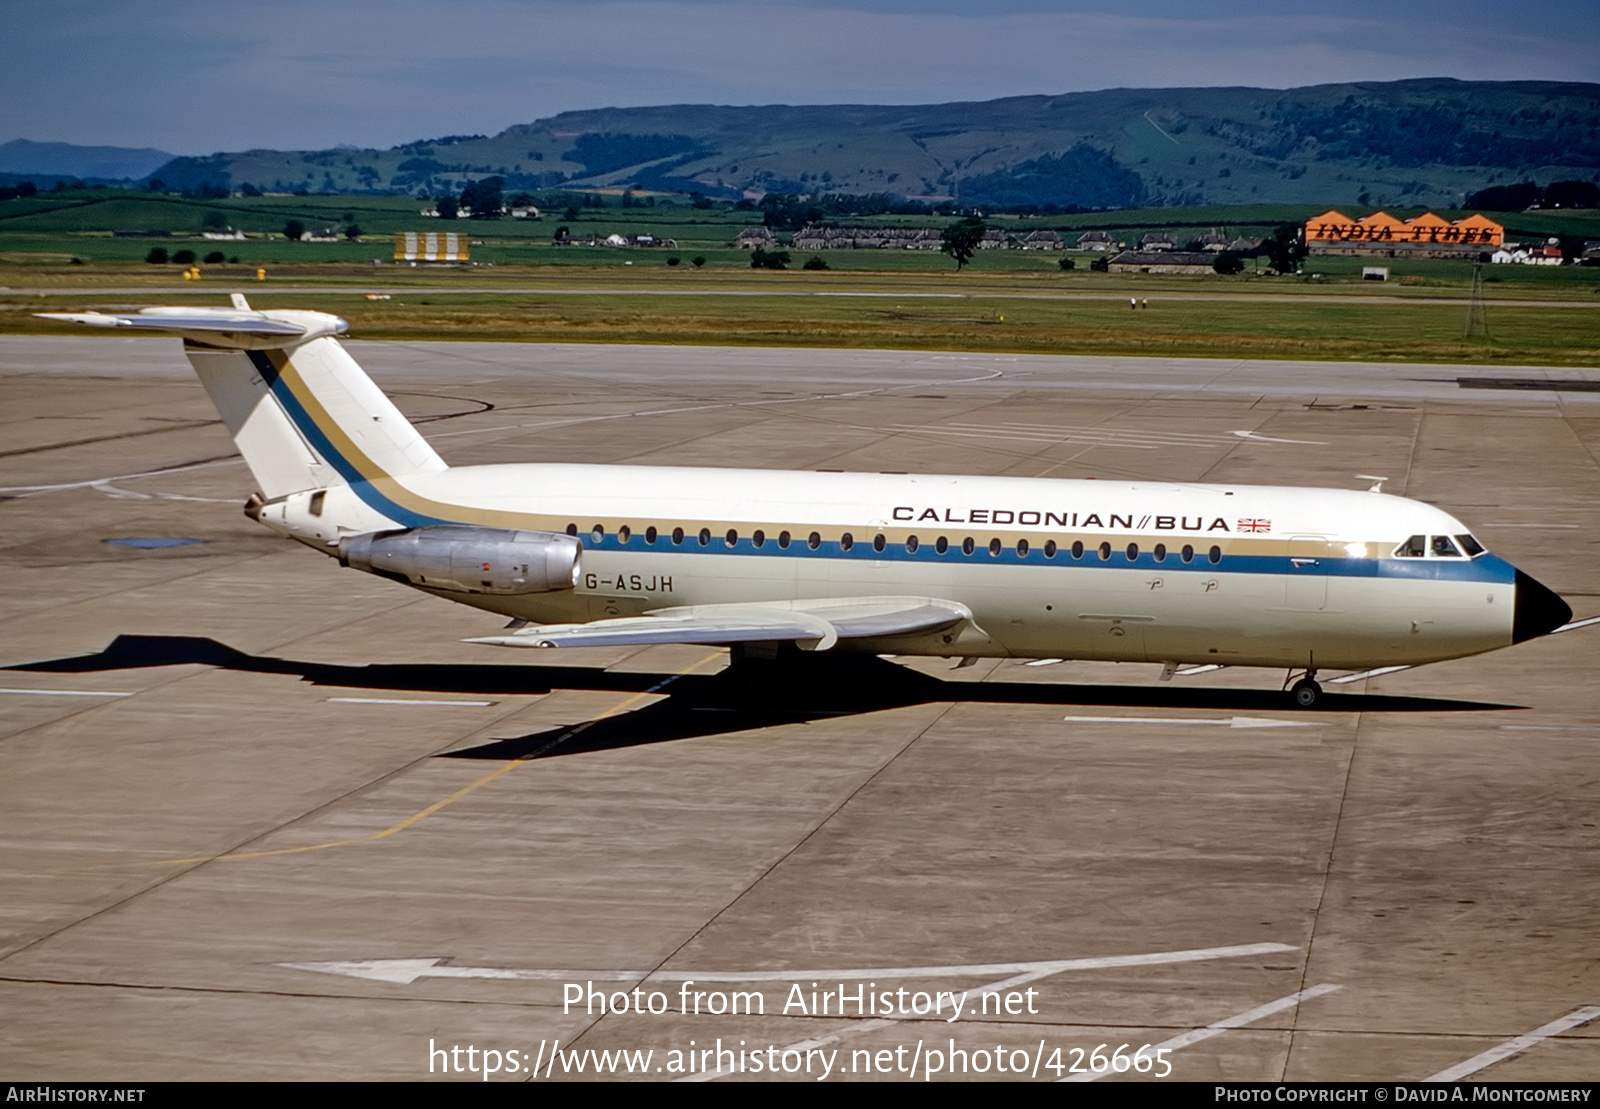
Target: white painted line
<point>1542,728</point>
<point>1044,662</point>
<point>1364,674</point>
<point>1238,1020</point>
<point>1230,722</point>
<point>65,693</point>
<point>406,971</point>
<point>1576,624</point>
<point>861,1028</point>
<point>1269,439</point>
<point>400,701</point>
<point>1517,1046</point>
<point>1185,671</point>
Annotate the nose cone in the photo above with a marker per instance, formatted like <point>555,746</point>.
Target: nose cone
<point>1538,610</point>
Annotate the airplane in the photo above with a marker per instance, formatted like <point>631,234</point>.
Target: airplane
<point>898,564</point>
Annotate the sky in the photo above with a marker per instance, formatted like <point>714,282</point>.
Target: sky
<point>200,76</point>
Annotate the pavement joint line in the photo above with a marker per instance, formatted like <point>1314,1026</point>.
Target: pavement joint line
<point>1517,1046</point>
<point>396,701</point>
<point>1226,1024</point>
<point>465,790</point>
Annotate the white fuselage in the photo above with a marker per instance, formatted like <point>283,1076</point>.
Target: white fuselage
<point>1301,577</point>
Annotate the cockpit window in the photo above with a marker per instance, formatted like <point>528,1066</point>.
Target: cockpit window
<point>1470,545</point>
<point>1415,547</point>
<point>1445,547</point>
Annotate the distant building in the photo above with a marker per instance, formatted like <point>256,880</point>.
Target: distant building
<point>1097,240</point>
<point>1162,261</point>
<point>1157,240</point>
<point>1043,240</point>
<point>1381,235</point>
<point>816,237</point>
<point>326,235</point>
<point>227,234</point>
<point>1213,241</point>
<point>430,246</point>
<point>752,237</point>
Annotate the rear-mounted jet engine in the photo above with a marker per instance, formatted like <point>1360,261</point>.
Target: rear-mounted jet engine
<point>468,559</point>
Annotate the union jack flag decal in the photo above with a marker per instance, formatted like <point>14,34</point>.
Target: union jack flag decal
<point>1255,525</point>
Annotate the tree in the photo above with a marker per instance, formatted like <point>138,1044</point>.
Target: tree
<point>157,256</point>
<point>1228,262</point>
<point>1284,250</point>
<point>769,259</point>
<point>484,198</point>
<point>215,258</point>
<point>961,239</point>
<point>697,261</point>
<point>1067,264</point>
<point>814,263</point>
<point>353,232</point>
<point>447,207</point>
<point>214,219</point>
<point>184,257</point>
<point>293,230</point>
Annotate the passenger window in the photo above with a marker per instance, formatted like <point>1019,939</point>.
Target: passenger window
<point>677,536</point>
<point>1105,552</point>
<point>846,541</point>
<point>941,544</point>
<point>705,536</point>
<point>732,538</point>
<point>1444,548</point>
<point>650,534</point>
<point>1470,545</point>
<point>759,538</point>
<point>783,540</point>
<point>624,533</point>
<point>878,542</point>
<point>1160,552</point>
<point>572,529</point>
<point>1022,548</point>
<point>813,541</point>
<point>1415,547</point>
<point>994,548</point>
<point>1187,554</point>
<point>1133,552</point>
<point>597,533</point>
<point>967,545</point>
<point>1077,550</point>
<point>1215,555</point>
<point>911,544</point>
<point>1049,548</point>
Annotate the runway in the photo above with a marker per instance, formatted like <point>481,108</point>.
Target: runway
<point>264,818</point>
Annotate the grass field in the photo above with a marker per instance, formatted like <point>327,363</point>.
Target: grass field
<point>57,252</point>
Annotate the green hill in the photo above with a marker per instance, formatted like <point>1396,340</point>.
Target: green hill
<point>1401,143</point>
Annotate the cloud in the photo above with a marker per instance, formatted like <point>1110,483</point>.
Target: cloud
<point>198,77</point>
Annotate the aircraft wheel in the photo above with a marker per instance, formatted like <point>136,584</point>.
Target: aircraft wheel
<point>1306,692</point>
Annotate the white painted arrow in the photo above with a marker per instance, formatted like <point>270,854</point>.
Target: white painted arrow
<point>1231,722</point>
<point>406,971</point>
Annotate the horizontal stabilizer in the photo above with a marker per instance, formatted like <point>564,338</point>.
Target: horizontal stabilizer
<point>816,625</point>
<point>235,327</point>
<point>244,323</point>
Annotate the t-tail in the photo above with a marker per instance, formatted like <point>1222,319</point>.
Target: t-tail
<point>324,444</point>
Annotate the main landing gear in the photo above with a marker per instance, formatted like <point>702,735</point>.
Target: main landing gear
<point>1306,691</point>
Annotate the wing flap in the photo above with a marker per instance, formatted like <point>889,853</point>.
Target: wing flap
<point>816,624</point>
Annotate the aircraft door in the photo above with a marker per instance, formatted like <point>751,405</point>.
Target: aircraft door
<point>1306,583</point>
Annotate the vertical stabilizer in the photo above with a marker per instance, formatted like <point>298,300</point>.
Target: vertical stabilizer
<point>304,415</point>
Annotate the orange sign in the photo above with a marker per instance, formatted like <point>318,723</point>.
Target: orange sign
<point>1380,227</point>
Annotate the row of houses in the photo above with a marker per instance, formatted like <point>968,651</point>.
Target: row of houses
<point>640,240</point>
<point>816,237</point>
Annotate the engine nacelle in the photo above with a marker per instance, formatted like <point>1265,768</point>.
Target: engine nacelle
<point>468,559</point>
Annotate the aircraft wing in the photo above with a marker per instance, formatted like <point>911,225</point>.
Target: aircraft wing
<point>816,625</point>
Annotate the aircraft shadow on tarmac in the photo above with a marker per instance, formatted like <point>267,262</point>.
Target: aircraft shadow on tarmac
<point>749,694</point>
